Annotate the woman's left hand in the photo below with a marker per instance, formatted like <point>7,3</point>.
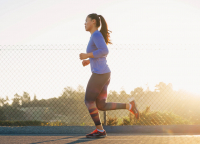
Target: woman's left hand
<point>83,56</point>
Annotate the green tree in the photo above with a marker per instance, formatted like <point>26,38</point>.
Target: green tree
<point>16,100</point>
<point>25,99</point>
<point>4,101</point>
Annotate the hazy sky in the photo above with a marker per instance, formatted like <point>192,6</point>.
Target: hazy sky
<point>131,21</point>
<point>171,23</point>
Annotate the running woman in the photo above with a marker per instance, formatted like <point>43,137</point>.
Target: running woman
<point>96,91</point>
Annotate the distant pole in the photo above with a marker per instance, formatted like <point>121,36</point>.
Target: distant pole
<point>105,115</point>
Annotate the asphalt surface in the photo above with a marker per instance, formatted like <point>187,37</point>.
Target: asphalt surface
<point>112,138</point>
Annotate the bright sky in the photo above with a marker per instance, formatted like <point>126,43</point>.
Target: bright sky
<point>170,23</point>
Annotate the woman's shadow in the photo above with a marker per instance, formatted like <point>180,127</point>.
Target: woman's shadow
<point>70,138</point>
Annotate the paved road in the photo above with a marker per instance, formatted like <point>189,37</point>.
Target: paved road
<point>112,138</point>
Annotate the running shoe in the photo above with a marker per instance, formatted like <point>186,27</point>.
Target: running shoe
<point>134,110</point>
<point>96,134</point>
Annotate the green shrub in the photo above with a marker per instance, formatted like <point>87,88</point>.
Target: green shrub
<point>148,117</point>
<point>112,121</point>
<point>31,123</point>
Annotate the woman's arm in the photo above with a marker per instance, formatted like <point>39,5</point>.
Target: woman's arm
<point>90,55</point>
<point>100,44</point>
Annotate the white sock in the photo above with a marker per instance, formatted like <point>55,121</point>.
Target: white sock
<point>101,130</point>
<point>130,106</point>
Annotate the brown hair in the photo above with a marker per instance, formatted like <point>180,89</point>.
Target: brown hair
<point>104,28</point>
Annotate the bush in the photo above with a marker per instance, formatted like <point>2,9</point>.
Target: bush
<point>31,123</point>
<point>112,121</point>
<point>150,118</point>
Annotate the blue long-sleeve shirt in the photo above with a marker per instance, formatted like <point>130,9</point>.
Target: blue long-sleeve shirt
<point>98,46</point>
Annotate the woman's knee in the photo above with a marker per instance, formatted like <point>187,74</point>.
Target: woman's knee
<point>89,103</point>
<point>101,106</point>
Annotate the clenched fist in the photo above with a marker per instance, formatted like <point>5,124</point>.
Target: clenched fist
<point>85,62</point>
<point>83,56</point>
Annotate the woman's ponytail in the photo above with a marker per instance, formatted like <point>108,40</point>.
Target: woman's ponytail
<point>104,30</point>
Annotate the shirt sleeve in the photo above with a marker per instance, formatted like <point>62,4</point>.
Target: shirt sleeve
<point>101,45</point>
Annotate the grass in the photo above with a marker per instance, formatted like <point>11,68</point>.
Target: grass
<point>147,117</point>
<point>31,123</point>
<point>150,118</point>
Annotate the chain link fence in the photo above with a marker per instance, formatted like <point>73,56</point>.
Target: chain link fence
<point>45,85</point>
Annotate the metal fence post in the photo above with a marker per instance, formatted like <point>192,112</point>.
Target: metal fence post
<point>105,115</point>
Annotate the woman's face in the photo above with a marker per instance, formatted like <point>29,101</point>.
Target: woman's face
<point>88,24</point>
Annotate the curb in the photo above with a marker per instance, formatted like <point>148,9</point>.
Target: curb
<point>162,129</point>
